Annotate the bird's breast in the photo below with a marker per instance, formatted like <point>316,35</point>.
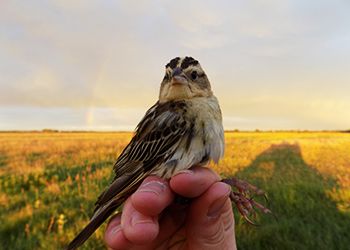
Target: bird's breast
<point>204,140</point>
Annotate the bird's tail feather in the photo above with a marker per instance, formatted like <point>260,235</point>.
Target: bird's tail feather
<point>120,189</point>
<point>94,223</point>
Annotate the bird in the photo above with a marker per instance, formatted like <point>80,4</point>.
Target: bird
<point>182,129</point>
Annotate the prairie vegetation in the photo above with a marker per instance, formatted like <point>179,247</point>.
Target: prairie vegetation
<point>49,183</point>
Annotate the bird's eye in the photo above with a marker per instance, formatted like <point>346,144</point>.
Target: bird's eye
<point>194,75</point>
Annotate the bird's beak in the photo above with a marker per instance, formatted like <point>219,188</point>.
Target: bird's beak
<point>178,77</point>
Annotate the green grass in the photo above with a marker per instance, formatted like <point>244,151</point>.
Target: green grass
<point>306,217</point>
<point>3,159</point>
<point>39,201</point>
<point>49,183</point>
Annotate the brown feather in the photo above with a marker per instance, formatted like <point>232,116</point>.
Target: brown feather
<point>93,225</point>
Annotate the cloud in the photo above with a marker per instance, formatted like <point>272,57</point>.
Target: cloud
<point>78,54</point>
<point>36,118</point>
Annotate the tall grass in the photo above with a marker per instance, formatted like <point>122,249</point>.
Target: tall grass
<point>49,183</point>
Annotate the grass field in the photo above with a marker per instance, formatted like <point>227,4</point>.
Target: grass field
<point>49,183</point>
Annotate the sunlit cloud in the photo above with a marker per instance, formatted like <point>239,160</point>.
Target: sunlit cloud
<point>272,64</point>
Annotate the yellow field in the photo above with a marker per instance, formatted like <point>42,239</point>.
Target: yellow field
<point>49,182</point>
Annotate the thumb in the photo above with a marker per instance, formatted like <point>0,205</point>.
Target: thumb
<point>210,220</point>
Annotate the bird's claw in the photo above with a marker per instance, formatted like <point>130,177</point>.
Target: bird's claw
<point>243,198</point>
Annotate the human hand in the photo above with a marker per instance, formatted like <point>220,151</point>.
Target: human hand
<point>150,219</point>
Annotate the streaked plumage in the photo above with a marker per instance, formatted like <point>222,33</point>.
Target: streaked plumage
<point>184,128</point>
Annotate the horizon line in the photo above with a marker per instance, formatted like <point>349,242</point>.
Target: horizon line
<point>131,131</point>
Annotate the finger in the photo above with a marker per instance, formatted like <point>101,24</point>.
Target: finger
<point>171,220</point>
<point>152,196</point>
<point>194,182</point>
<point>114,236</point>
<point>137,227</point>
<point>210,219</point>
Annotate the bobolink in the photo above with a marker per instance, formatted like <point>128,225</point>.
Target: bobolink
<point>183,129</point>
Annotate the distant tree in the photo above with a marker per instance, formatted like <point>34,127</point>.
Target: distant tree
<point>48,130</point>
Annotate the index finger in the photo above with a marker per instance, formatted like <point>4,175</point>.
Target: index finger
<point>193,182</point>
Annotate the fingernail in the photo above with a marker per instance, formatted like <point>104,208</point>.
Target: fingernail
<point>216,207</point>
<point>138,218</point>
<point>186,171</point>
<point>155,187</point>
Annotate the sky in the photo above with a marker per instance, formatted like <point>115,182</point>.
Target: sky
<point>97,65</point>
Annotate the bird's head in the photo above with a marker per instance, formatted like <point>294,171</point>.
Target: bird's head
<point>184,79</point>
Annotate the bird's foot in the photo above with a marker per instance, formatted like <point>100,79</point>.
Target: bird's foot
<point>243,198</point>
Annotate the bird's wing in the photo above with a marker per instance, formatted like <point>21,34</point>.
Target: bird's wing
<point>157,136</point>
<point>156,139</point>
